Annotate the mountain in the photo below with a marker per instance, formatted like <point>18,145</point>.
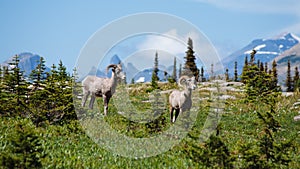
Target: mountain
<point>146,75</point>
<point>292,54</point>
<point>267,50</point>
<point>28,62</point>
<point>115,60</point>
<point>131,71</point>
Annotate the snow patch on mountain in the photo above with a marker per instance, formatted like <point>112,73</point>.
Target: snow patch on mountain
<point>266,50</point>
<point>295,37</point>
<point>140,80</point>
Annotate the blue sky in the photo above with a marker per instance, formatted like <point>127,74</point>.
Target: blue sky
<point>59,29</point>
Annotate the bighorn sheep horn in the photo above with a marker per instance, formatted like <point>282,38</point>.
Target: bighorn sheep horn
<point>182,79</point>
<point>111,66</point>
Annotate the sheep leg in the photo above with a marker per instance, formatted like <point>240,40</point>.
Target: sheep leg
<point>171,113</point>
<point>84,98</point>
<point>177,111</point>
<point>105,101</point>
<point>93,97</point>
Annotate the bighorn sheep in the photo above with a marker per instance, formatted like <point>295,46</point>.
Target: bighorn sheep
<point>181,101</point>
<point>101,87</point>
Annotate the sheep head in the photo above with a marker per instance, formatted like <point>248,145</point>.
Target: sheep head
<point>187,82</point>
<point>117,69</point>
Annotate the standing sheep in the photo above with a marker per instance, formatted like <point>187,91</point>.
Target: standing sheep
<point>181,101</point>
<point>101,87</point>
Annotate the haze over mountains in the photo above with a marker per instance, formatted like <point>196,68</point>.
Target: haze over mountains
<point>267,50</point>
<point>281,48</point>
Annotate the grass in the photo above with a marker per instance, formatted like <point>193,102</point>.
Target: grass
<point>68,145</point>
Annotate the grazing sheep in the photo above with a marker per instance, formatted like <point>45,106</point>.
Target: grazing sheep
<point>101,87</point>
<point>181,101</point>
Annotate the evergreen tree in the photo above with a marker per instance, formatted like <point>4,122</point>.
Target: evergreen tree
<point>174,74</point>
<point>1,74</point>
<point>245,69</point>
<point>266,67</point>
<point>274,73</point>
<point>235,72</point>
<point>2,91</point>
<point>212,77</point>
<point>155,78</point>
<point>74,75</point>
<point>261,67</point>
<point>252,57</point>
<point>190,67</point>
<point>227,74</point>
<point>54,103</point>
<point>288,81</point>
<point>62,72</point>
<point>259,85</point>
<point>61,98</point>
<point>258,64</point>
<point>296,79</point>
<point>16,85</point>
<point>202,74</point>
<point>246,61</point>
<point>6,94</point>
<point>180,71</point>
<point>38,75</point>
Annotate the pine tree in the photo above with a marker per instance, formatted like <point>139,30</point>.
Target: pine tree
<point>227,75</point>
<point>266,67</point>
<point>288,81</point>
<point>202,74</point>
<point>180,71</point>
<point>258,64</point>
<point>62,72</point>
<point>2,90</point>
<point>190,67</point>
<point>274,73</point>
<point>235,72</point>
<point>38,75</point>
<point>261,67</point>
<point>17,84</point>
<point>252,57</point>
<point>6,92</point>
<point>62,107</point>
<point>259,85</point>
<point>155,78</point>
<point>296,79</point>
<point>246,61</point>
<point>245,69</point>
<point>212,77</point>
<point>1,74</point>
<point>174,74</point>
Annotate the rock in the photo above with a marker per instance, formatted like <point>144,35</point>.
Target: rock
<point>235,84</point>
<point>296,104</point>
<point>225,97</point>
<point>287,94</point>
<point>218,81</point>
<point>229,88</point>
<point>211,89</point>
<point>206,84</point>
<point>297,118</point>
